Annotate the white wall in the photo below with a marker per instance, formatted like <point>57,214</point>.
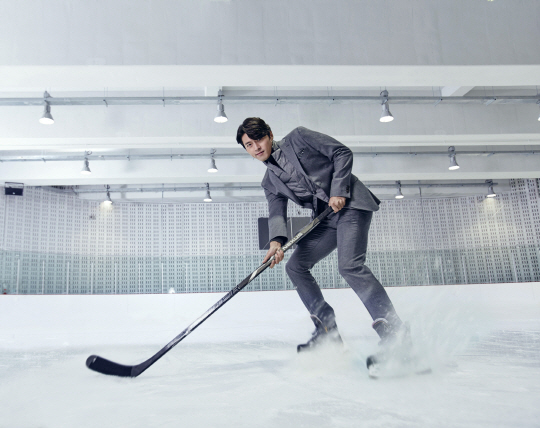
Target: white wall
<point>56,243</point>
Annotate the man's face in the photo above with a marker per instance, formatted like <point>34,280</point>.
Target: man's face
<point>259,149</point>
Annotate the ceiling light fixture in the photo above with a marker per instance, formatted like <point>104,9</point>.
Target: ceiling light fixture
<point>221,117</point>
<point>47,118</point>
<point>399,195</point>
<point>213,167</point>
<point>453,162</point>
<point>386,116</point>
<point>86,166</point>
<point>491,193</point>
<point>208,198</point>
<point>108,201</point>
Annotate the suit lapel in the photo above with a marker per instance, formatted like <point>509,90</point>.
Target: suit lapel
<point>292,158</point>
<point>282,188</point>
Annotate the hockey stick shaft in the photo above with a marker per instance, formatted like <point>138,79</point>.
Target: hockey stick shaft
<point>105,366</point>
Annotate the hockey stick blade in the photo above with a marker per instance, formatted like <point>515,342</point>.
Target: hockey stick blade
<point>104,366</point>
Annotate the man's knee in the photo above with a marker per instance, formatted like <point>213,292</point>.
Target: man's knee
<point>294,267</point>
<point>351,266</point>
<point>291,267</point>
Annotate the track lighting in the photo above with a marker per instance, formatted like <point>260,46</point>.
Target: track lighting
<point>386,116</point>
<point>108,201</point>
<point>452,154</point>
<point>213,167</point>
<point>491,193</point>
<point>208,197</point>
<point>86,167</point>
<point>47,118</point>
<point>221,117</point>
<point>399,195</point>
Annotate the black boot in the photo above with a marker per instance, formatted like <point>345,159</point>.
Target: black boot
<point>395,339</point>
<point>396,356</point>
<point>322,334</point>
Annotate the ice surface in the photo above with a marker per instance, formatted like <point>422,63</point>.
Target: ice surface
<point>241,368</point>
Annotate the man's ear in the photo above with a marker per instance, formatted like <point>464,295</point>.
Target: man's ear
<point>271,136</point>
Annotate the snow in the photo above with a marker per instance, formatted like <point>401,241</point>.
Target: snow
<point>240,368</point>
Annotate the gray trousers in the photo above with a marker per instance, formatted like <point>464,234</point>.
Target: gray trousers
<point>347,231</point>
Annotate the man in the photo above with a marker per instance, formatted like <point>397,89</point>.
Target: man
<point>314,171</point>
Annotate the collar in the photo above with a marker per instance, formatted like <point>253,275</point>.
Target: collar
<point>276,152</point>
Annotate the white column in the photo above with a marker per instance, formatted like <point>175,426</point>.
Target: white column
<point>162,283</point>
<point>67,279</point>
<point>18,273</point>
<point>442,270</point>
<point>139,276</point>
<point>514,266</point>
<point>91,278</point>
<point>465,269</point>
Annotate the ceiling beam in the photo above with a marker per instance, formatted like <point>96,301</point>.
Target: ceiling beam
<point>82,144</point>
<point>181,156</point>
<point>334,99</point>
<point>455,91</point>
<point>246,170</point>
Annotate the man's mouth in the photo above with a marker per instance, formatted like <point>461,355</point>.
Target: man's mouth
<point>259,153</point>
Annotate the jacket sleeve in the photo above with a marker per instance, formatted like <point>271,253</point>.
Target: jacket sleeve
<point>277,219</point>
<point>339,154</point>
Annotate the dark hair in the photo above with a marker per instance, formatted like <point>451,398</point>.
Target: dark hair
<point>254,127</point>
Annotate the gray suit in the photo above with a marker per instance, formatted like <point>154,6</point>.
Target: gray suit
<point>327,166</point>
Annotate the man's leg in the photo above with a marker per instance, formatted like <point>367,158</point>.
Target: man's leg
<point>352,239</point>
<point>320,242</point>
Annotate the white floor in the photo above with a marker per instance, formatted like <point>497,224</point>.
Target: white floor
<point>240,368</point>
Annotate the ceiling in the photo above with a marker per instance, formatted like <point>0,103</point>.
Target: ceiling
<point>135,90</point>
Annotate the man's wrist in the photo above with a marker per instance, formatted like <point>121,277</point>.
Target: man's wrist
<point>279,239</point>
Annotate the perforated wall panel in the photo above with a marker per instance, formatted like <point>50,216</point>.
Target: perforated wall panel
<point>54,243</point>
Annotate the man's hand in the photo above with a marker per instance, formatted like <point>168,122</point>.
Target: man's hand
<point>336,202</point>
<point>275,248</point>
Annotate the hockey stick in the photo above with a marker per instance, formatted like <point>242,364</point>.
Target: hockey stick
<point>102,365</point>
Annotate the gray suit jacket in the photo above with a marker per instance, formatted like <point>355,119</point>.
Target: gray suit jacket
<point>327,164</point>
